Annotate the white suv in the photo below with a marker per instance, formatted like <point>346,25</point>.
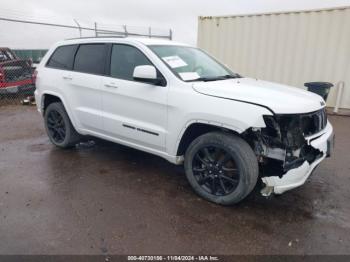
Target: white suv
<point>179,103</point>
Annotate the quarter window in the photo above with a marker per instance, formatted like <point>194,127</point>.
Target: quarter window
<point>124,59</point>
<point>63,57</point>
<point>90,58</point>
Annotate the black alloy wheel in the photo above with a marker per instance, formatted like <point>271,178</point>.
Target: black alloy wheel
<point>59,127</point>
<point>221,167</point>
<point>215,170</point>
<point>56,126</point>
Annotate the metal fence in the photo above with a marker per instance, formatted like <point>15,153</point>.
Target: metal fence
<point>32,54</point>
<point>17,66</point>
<point>16,77</point>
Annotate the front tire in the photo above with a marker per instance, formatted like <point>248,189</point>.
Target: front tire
<point>59,127</point>
<point>221,168</point>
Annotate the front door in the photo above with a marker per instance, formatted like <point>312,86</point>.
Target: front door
<point>133,111</point>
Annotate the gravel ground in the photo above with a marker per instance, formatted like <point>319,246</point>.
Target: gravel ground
<point>109,199</point>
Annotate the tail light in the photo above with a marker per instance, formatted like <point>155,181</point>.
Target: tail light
<point>2,75</point>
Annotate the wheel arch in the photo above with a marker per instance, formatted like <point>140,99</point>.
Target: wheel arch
<point>195,129</point>
<point>48,99</point>
<point>51,97</point>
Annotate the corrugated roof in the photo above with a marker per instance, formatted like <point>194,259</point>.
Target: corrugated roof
<point>276,12</point>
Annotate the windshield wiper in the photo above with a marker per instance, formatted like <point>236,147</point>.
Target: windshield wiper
<point>214,78</point>
<point>230,76</point>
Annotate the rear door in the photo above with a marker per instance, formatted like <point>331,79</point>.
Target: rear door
<point>84,84</point>
<point>133,111</point>
<point>53,75</point>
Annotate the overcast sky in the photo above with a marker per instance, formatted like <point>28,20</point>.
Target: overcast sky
<point>179,15</point>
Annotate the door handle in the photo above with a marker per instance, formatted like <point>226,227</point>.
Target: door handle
<point>111,86</point>
<point>67,78</point>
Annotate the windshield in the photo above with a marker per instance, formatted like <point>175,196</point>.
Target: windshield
<point>191,64</point>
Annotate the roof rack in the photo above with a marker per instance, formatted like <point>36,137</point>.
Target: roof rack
<point>128,32</point>
<point>99,32</point>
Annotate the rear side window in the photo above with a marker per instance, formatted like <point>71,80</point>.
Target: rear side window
<point>124,59</point>
<point>90,58</point>
<point>63,57</point>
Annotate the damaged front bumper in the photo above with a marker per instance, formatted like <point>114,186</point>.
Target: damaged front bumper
<point>324,142</point>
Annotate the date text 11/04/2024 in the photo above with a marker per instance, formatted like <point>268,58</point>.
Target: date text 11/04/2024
<point>173,258</point>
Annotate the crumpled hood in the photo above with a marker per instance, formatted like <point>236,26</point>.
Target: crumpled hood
<point>281,99</point>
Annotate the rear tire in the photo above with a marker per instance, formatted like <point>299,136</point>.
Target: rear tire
<point>221,168</point>
<point>58,126</point>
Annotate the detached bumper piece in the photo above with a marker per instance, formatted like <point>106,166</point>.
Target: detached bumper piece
<point>330,145</point>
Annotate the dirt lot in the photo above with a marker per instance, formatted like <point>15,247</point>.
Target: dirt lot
<point>108,199</point>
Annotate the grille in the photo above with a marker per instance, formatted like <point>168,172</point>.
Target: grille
<point>313,123</point>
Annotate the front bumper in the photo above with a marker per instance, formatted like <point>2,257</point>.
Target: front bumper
<point>324,142</point>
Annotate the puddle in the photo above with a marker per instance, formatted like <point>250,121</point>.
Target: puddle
<point>39,147</point>
<point>86,144</point>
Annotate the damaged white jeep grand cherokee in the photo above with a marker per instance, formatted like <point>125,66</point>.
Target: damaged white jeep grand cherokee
<point>177,102</point>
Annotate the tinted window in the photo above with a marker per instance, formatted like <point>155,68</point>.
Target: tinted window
<point>90,59</point>
<point>124,59</point>
<point>63,57</point>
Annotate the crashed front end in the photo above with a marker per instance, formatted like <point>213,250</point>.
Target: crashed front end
<point>290,147</point>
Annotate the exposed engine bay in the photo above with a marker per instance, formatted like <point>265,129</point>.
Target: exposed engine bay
<point>285,143</point>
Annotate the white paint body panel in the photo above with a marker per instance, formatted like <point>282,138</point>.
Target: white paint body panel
<point>135,104</point>
<point>290,47</point>
<point>281,99</point>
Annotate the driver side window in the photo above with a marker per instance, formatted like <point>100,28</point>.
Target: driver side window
<point>124,59</point>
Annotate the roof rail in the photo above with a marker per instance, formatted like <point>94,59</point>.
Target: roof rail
<point>89,37</point>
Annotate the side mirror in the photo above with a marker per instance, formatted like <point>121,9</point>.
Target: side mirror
<point>147,74</point>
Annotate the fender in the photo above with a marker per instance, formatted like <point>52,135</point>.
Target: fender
<point>230,127</point>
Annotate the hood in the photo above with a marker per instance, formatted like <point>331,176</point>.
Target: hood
<point>281,99</point>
